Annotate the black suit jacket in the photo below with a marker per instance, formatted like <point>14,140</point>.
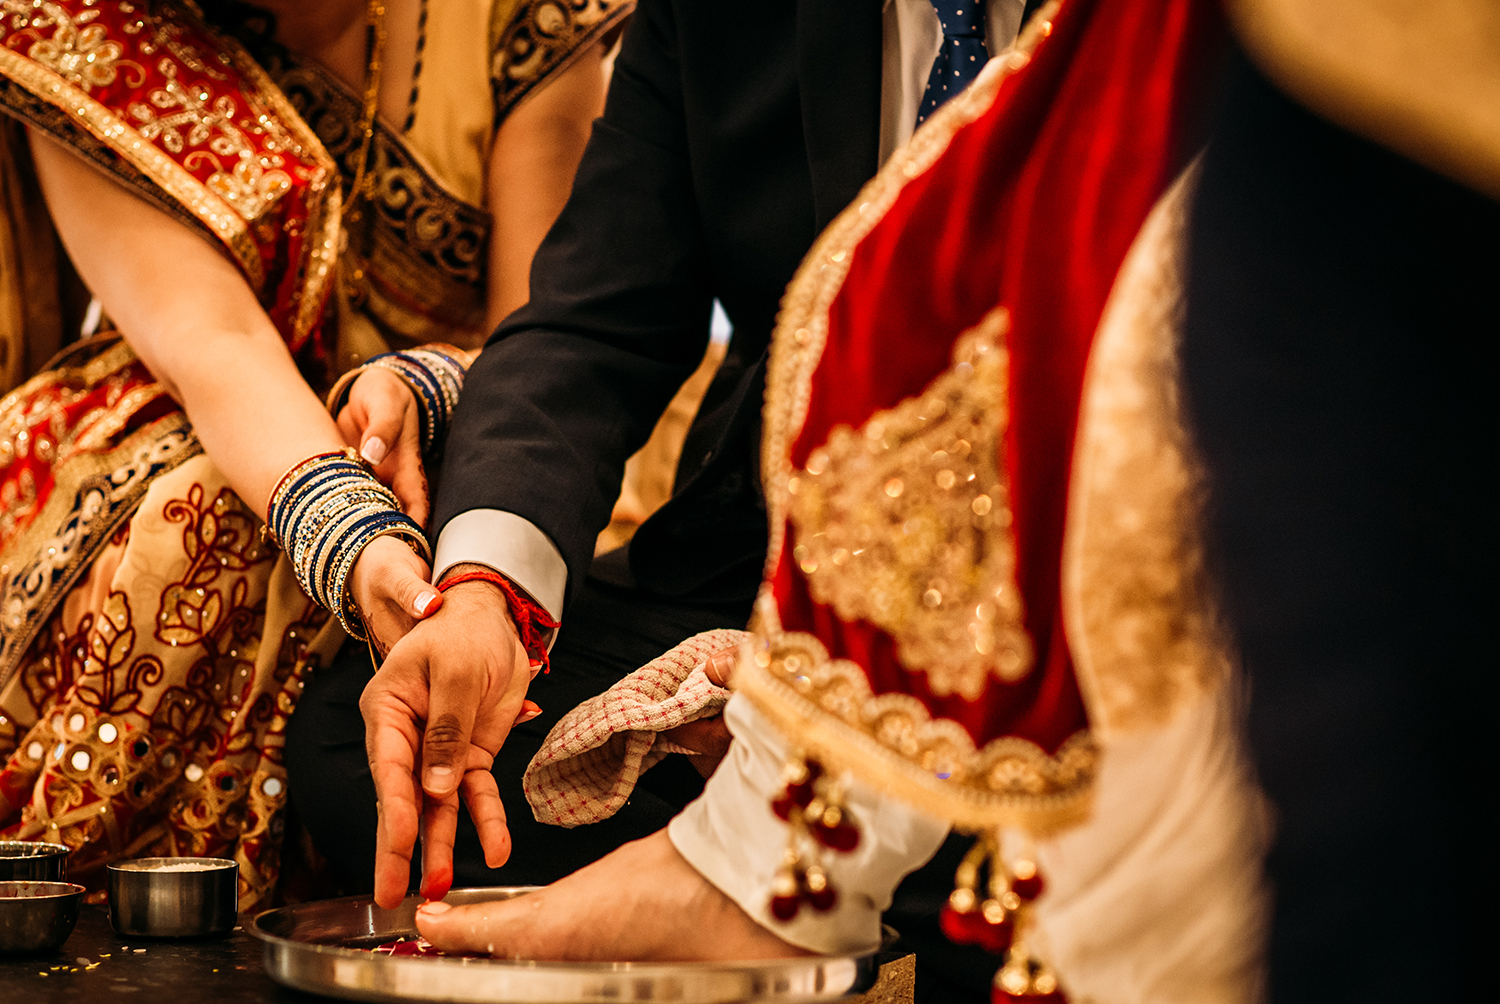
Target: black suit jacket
<point>732,134</point>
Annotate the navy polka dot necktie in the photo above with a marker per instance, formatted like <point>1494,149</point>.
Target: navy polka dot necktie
<point>962,56</point>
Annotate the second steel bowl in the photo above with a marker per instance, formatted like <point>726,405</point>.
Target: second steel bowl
<point>37,917</point>
<point>32,861</point>
<point>173,897</point>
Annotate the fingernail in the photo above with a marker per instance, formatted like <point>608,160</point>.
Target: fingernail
<point>374,450</point>
<point>528,712</point>
<point>423,603</point>
<point>439,779</point>
<point>433,909</point>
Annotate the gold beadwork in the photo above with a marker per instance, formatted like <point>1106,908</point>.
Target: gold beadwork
<point>928,558</point>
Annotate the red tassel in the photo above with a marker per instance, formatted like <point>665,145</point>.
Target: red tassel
<point>784,908</point>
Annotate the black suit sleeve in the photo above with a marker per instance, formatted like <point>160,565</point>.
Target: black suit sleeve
<point>571,384</point>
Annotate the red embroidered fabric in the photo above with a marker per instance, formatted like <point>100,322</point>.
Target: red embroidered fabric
<point>159,98</point>
<point>1033,208</point>
<point>144,713</point>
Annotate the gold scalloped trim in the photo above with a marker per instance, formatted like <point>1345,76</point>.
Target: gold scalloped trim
<point>892,742</point>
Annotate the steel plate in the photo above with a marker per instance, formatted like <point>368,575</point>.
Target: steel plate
<point>323,947</point>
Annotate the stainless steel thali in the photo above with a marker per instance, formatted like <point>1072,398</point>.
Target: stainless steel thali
<point>323,948</point>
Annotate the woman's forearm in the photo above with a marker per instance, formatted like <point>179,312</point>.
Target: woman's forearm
<point>536,154</point>
<point>251,409</point>
<point>192,318</point>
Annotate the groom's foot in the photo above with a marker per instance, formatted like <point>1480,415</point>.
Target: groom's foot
<point>642,902</point>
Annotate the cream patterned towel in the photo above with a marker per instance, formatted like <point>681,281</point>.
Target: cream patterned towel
<point>592,759</point>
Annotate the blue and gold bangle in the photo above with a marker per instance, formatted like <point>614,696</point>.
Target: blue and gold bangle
<point>435,379</point>
<point>324,511</point>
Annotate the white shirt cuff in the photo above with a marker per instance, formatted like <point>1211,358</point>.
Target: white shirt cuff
<point>510,545</point>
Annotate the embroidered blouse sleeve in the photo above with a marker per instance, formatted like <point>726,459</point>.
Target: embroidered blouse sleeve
<point>530,40</point>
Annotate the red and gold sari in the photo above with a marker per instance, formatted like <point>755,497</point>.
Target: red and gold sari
<point>151,647</point>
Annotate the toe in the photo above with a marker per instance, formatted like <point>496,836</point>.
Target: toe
<point>480,928</point>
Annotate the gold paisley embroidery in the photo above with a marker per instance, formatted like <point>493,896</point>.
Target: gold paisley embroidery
<point>179,117</point>
<point>892,741</point>
<point>249,187</point>
<point>906,524</point>
<point>542,37</point>
<point>79,52</point>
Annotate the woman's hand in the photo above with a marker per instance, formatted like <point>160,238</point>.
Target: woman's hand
<point>389,583</point>
<point>381,421</point>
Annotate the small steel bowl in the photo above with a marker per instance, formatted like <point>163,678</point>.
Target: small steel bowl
<point>173,897</point>
<point>37,917</point>
<point>32,861</point>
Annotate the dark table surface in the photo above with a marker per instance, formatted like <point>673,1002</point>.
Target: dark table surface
<point>98,966</point>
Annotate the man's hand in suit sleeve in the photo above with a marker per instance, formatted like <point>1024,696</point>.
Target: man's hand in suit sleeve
<point>436,714</point>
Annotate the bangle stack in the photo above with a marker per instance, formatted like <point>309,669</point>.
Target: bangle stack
<point>435,379</point>
<point>322,513</point>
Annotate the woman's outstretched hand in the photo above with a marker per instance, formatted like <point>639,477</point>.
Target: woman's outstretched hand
<point>381,422</point>
<point>389,585</point>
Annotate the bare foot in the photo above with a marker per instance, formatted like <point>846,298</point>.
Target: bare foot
<point>642,902</point>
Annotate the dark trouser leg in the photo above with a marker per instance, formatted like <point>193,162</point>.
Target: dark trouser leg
<point>1344,309</point>
<point>610,631</point>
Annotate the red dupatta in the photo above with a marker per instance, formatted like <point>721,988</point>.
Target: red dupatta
<point>184,116</point>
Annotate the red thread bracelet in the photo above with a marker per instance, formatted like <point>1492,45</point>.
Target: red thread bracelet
<point>531,619</point>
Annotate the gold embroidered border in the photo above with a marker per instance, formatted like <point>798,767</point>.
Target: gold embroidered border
<point>31,110</point>
<point>111,130</point>
<point>802,326</point>
<point>429,248</point>
<point>892,742</point>
<point>541,38</point>
<point>906,523</point>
